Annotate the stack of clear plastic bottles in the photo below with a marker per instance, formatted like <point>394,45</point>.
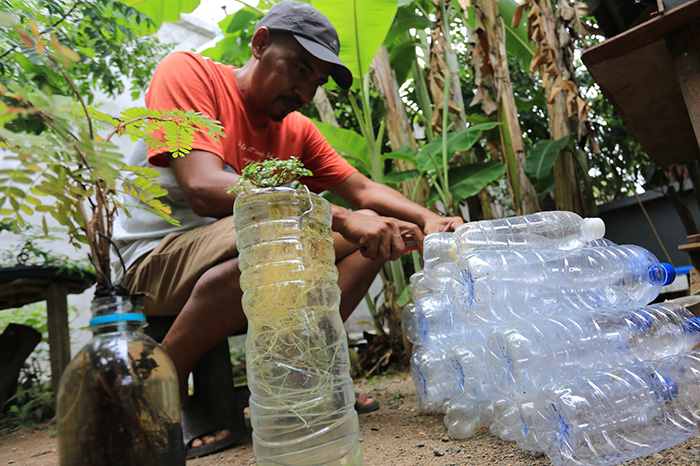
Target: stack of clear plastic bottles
<point>539,328</point>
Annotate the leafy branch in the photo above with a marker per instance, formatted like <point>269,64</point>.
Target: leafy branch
<point>68,172</point>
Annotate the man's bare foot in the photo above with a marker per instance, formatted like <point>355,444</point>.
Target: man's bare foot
<point>365,404</point>
<point>209,439</point>
<point>200,435</point>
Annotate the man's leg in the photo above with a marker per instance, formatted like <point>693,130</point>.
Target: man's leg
<point>355,275</point>
<point>212,313</point>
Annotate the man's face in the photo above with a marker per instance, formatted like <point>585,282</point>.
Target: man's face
<point>286,77</point>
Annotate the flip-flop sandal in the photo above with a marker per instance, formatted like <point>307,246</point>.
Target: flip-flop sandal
<point>196,424</point>
<point>364,409</point>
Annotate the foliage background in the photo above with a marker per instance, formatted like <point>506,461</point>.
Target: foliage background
<point>442,126</point>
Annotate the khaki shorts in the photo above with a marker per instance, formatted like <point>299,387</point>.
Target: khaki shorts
<point>170,271</point>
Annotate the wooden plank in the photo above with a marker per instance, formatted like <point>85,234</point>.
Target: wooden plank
<point>644,91</point>
<point>643,35</point>
<point>636,73</point>
<point>21,291</point>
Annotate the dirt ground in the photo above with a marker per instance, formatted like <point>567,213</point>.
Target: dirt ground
<point>395,435</point>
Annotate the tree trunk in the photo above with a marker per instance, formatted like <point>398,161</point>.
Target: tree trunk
<point>398,126</point>
<point>568,111</point>
<point>443,60</point>
<point>324,107</point>
<point>567,190</point>
<point>495,93</point>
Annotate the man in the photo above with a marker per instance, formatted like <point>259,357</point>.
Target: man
<point>192,270</point>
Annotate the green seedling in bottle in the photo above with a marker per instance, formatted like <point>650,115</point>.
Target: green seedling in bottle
<point>269,174</point>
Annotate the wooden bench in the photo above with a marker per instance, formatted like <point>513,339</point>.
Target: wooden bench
<point>28,284</point>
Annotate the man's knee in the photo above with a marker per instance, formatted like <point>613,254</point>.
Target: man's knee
<point>357,264</point>
<point>223,274</point>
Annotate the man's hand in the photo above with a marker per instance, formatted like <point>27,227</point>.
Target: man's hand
<point>378,237</point>
<point>438,224</point>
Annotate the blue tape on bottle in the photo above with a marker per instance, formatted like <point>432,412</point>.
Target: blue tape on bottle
<point>111,318</point>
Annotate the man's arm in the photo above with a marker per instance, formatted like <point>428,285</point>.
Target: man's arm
<point>204,182</point>
<point>381,236</point>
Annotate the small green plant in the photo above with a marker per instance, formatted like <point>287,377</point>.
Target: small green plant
<point>270,173</point>
<point>32,404</point>
<point>400,395</point>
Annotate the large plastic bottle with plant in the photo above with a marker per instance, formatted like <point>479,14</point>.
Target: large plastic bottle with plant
<point>302,396</point>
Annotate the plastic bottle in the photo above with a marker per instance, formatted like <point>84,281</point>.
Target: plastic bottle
<point>118,400</point>
<point>596,243</point>
<point>471,394</point>
<point>408,323</point>
<point>418,286</point>
<point>428,370</point>
<point>512,422</point>
<point>467,377</point>
<point>438,250</point>
<point>506,419</point>
<point>493,285</point>
<point>523,356</point>
<point>464,416</point>
<point>553,229</point>
<point>440,373</point>
<point>435,325</point>
<point>302,397</point>
<point>439,257</point>
<point>619,414</point>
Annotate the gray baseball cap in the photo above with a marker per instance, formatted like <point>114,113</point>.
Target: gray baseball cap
<point>312,30</point>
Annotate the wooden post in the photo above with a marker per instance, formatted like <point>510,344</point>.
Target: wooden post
<point>686,61</point>
<point>59,340</point>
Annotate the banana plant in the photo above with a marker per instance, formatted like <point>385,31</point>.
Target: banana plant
<point>361,33</point>
<point>162,10</point>
<point>449,184</point>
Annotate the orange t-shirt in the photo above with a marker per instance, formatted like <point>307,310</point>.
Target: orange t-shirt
<point>188,81</point>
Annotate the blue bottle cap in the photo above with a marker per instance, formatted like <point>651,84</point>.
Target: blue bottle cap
<point>670,272</point>
<point>692,325</point>
<point>665,387</point>
<point>661,273</point>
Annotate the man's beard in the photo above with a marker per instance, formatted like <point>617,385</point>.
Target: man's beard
<point>291,104</point>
